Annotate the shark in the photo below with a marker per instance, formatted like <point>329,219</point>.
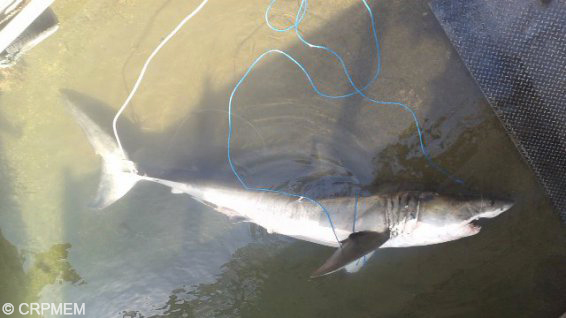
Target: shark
<point>393,219</point>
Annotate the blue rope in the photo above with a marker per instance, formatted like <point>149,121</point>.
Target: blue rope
<point>230,131</point>
<point>357,91</point>
<point>301,13</point>
<point>295,26</point>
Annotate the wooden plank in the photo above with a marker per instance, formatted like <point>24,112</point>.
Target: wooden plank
<point>21,21</point>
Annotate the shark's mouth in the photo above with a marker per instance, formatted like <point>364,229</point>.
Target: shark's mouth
<point>473,227</point>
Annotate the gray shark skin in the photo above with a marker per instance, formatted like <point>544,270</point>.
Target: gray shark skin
<point>385,220</point>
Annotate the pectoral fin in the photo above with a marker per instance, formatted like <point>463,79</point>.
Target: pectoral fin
<point>355,246</point>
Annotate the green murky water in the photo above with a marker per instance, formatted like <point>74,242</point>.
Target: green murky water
<point>155,254</point>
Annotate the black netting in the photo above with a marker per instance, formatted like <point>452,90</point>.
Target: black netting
<point>516,51</point>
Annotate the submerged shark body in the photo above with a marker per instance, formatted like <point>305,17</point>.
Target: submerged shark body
<point>357,226</point>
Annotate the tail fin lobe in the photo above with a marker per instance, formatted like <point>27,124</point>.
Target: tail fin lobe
<point>119,174</point>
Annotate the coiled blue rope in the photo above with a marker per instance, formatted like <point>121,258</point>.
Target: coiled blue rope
<point>295,26</point>
<point>301,13</point>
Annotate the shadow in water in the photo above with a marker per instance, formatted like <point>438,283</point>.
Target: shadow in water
<point>288,138</point>
<point>25,274</point>
<point>486,275</point>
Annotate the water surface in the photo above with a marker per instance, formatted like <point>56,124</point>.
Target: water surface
<point>155,254</point>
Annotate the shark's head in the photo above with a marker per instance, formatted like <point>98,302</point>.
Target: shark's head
<point>488,207</point>
<point>447,210</point>
<point>445,218</point>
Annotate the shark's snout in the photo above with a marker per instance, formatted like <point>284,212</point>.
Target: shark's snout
<point>490,208</point>
<point>505,205</point>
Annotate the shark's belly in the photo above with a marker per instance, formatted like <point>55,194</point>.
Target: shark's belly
<point>421,234</point>
<point>298,219</point>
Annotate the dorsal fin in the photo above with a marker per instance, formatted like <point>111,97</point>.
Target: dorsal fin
<point>355,246</point>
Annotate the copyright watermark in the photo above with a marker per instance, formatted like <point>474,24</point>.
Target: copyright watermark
<point>62,309</point>
<point>8,309</point>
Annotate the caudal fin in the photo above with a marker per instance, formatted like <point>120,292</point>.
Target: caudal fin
<point>119,174</point>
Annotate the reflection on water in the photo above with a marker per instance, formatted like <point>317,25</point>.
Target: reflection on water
<point>234,292</point>
<point>163,255</point>
<point>24,285</point>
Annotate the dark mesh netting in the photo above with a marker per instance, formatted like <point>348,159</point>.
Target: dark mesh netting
<point>516,52</point>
